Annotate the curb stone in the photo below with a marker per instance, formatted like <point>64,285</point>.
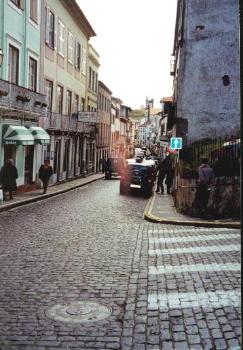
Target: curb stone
<point>147,215</point>
<point>45,196</point>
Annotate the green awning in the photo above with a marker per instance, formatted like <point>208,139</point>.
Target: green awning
<point>40,135</point>
<point>18,135</point>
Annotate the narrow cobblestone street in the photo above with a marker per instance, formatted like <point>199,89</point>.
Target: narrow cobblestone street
<point>168,286</point>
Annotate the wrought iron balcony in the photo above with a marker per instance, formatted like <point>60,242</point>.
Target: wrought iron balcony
<point>21,101</point>
<point>62,122</point>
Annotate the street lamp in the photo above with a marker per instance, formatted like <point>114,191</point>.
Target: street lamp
<point>1,57</point>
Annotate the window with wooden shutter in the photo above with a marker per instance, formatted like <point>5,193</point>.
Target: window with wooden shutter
<point>34,10</point>
<point>49,93</point>
<point>77,55</point>
<point>50,28</point>
<point>32,74</point>
<point>84,61</point>
<point>70,47</point>
<point>76,104</point>
<point>13,65</point>
<point>59,99</point>
<point>69,102</point>
<point>61,38</point>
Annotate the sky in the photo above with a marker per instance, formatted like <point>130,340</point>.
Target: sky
<point>134,41</point>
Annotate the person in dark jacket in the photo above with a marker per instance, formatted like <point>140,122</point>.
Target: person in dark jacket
<point>169,177</point>
<point>45,173</point>
<point>103,164</point>
<point>8,176</point>
<point>161,176</point>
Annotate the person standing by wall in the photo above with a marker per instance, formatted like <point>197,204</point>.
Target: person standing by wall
<point>169,177</point>
<point>169,171</point>
<point>45,173</point>
<point>161,177</point>
<point>8,176</point>
<point>205,180</point>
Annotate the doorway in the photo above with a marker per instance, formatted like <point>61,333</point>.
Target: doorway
<point>57,159</point>
<point>10,153</point>
<point>28,167</point>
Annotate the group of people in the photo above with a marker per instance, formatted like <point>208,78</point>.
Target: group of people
<point>206,179</point>
<point>9,175</point>
<point>165,172</point>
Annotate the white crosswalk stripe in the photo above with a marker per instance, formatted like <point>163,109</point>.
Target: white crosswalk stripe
<point>196,229</point>
<point>153,270</point>
<point>186,239</point>
<point>193,250</point>
<point>215,299</point>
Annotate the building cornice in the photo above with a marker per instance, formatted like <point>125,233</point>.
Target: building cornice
<point>104,87</point>
<point>77,14</point>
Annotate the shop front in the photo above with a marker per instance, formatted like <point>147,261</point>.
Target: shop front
<point>24,146</point>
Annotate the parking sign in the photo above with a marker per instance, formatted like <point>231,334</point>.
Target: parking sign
<point>176,143</point>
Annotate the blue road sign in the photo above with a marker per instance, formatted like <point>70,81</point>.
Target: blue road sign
<point>176,143</point>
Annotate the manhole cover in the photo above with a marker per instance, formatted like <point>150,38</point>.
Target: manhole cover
<point>79,311</point>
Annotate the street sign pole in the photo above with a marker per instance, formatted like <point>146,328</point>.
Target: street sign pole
<point>176,144</point>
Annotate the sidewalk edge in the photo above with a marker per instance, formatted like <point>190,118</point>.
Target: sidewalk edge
<point>147,215</point>
<point>48,195</point>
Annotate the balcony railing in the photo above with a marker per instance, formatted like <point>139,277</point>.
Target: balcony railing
<point>62,122</point>
<point>18,99</point>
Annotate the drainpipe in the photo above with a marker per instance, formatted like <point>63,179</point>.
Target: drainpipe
<point>3,42</point>
<point>25,44</point>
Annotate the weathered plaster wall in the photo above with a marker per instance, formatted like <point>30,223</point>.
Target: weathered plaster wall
<point>210,51</point>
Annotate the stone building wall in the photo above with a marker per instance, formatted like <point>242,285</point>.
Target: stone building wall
<point>208,77</point>
<point>224,200</point>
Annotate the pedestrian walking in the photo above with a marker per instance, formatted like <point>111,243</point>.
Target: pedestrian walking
<point>161,177</point>
<point>45,173</point>
<point>169,171</point>
<point>103,164</point>
<point>205,182</point>
<point>8,176</point>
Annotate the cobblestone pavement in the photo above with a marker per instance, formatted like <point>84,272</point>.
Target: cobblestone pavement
<point>169,287</point>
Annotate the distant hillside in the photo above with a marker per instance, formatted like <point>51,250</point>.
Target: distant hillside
<point>137,114</point>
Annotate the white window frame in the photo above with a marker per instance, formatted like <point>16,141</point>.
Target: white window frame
<point>61,38</point>
<point>15,7</point>
<point>70,47</point>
